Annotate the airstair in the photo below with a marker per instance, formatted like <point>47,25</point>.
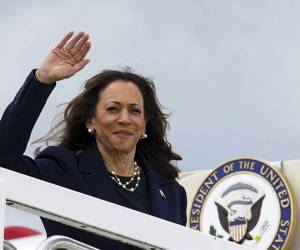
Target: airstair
<point>28,194</point>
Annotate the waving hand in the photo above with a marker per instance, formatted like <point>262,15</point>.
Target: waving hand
<point>65,59</point>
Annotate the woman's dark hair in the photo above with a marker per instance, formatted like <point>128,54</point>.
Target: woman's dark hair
<point>155,148</point>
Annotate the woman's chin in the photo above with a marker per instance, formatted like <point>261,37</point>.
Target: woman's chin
<point>124,148</point>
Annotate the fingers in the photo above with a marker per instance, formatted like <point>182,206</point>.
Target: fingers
<point>73,50</point>
<point>79,45</point>
<point>66,38</point>
<point>70,45</point>
<point>82,53</point>
<point>64,56</point>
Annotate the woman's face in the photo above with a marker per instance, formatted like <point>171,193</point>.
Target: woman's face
<point>119,120</point>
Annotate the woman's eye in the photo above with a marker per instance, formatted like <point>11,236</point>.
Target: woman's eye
<point>112,109</point>
<point>136,111</point>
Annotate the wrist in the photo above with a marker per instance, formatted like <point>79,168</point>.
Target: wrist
<point>42,77</point>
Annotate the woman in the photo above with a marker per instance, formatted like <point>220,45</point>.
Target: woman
<point>112,146</point>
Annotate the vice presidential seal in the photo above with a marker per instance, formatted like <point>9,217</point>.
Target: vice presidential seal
<point>246,201</point>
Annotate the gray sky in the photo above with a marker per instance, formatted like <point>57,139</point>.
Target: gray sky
<point>227,70</point>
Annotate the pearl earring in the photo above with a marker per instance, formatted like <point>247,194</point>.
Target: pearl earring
<point>144,136</point>
<point>91,131</point>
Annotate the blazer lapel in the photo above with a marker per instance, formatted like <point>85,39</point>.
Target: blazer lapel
<point>159,198</point>
<point>93,170</point>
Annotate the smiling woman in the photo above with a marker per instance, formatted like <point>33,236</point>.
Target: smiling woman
<point>111,143</point>
<point>119,123</point>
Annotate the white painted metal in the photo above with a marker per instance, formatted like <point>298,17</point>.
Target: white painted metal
<point>62,242</point>
<point>2,210</point>
<point>104,218</point>
<point>8,245</point>
<point>28,243</point>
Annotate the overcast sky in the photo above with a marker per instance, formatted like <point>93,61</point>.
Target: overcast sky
<point>227,70</point>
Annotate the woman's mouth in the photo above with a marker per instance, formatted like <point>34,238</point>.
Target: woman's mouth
<point>123,133</point>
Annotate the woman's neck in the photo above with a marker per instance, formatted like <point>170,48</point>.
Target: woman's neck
<point>119,162</point>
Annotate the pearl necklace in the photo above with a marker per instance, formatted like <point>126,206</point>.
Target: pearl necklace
<point>136,175</point>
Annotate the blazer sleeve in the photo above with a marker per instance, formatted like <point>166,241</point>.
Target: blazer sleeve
<point>17,123</point>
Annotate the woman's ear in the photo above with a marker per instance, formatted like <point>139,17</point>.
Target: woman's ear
<point>89,123</point>
<point>90,127</point>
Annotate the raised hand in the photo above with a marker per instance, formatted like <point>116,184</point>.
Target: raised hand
<point>66,59</point>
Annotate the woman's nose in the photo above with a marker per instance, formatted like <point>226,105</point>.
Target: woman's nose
<point>124,117</point>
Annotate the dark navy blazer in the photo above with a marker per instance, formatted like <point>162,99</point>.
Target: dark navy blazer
<point>84,172</point>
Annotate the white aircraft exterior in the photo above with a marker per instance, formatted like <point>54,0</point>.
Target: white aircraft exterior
<point>29,196</point>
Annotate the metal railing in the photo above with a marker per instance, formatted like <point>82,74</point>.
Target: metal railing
<point>114,221</point>
<point>61,242</point>
<point>8,246</point>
